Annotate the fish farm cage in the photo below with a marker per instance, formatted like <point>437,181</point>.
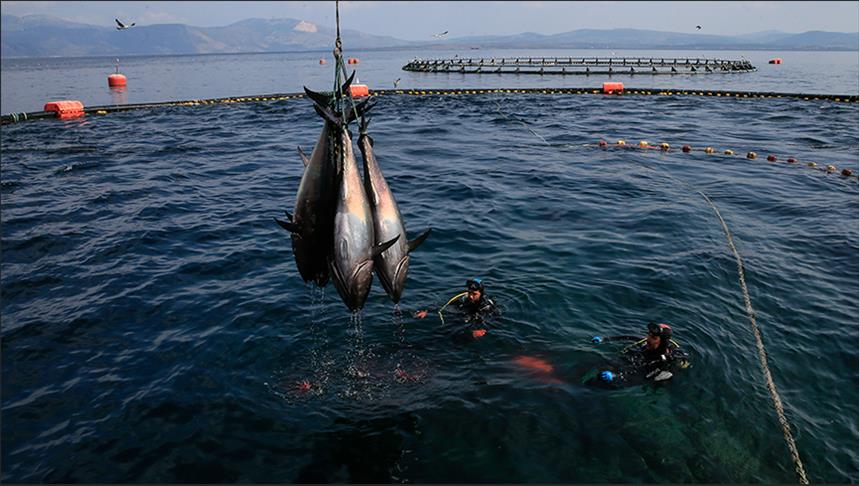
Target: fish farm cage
<point>580,65</point>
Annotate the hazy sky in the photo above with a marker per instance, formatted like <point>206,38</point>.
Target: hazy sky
<point>419,20</point>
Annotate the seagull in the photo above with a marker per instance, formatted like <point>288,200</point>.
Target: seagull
<point>698,27</point>
<point>121,26</point>
<point>439,36</point>
<point>397,82</point>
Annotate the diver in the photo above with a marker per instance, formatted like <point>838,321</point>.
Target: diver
<point>473,305</point>
<point>654,358</point>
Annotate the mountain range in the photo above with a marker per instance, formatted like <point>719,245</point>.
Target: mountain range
<point>46,36</point>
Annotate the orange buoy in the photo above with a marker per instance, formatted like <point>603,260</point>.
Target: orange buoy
<point>776,60</point>
<point>66,108</point>
<point>612,87</point>
<point>358,90</point>
<point>116,80</point>
<point>323,61</point>
<point>352,60</point>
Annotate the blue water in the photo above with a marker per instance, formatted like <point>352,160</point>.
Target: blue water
<point>29,83</point>
<point>155,328</point>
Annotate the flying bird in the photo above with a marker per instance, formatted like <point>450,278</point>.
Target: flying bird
<point>121,26</point>
<point>397,82</point>
<point>439,36</point>
<point>698,27</point>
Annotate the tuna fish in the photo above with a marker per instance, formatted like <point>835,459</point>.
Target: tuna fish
<point>392,265</point>
<point>354,248</point>
<point>312,224</point>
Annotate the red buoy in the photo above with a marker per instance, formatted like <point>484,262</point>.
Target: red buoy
<point>771,158</point>
<point>612,87</point>
<point>687,149</point>
<point>66,108</point>
<point>323,61</point>
<point>116,80</point>
<point>776,60</point>
<point>358,90</point>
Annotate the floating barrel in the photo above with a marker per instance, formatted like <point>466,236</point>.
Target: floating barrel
<point>776,60</point>
<point>358,90</point>
<point>611,87</point>
<point>66,108</point>
<point>116,80</point>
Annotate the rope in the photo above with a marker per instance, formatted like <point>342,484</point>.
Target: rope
<point>441,311</point>
<point>762,354</point>
<point>523,123</point>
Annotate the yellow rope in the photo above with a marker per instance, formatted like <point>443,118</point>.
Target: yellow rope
<point>440,311</point>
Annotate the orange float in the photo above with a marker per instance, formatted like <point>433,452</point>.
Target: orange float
<point>66,108</point>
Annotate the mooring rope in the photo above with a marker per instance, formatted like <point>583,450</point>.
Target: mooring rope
<point>762,355</point>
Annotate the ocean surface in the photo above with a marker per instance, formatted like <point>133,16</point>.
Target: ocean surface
<point>30,83</point>
<point>155,328</point>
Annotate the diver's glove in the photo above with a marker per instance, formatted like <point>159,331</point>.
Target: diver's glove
<point>596,339</point>
<point>607,376</point>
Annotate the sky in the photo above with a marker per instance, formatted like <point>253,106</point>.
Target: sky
<point>419,20</point>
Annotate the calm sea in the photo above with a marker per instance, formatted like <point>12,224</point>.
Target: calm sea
<point>29,83</point>
<point>155,328</point>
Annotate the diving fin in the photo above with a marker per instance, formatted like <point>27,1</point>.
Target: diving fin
<point>380,248</point>
<point>291,227</point>
<point>413,244</point>
<point>303,156</point>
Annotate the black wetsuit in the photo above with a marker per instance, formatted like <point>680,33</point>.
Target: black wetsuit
<point>645,364</point>
<point>476,312</point>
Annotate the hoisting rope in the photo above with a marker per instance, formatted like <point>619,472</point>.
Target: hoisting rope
<point>762,355</point>
<point>340,68</point>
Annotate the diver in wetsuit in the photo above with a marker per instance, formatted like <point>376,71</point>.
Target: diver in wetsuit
<point>652,357</point>
<point>473,305</point>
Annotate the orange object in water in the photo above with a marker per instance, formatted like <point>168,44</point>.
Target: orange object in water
<point>612,87</point>
<point>776,60</point>
<point>352,60</point>
<point>359,90</point>
<point>535,364</point>
<point>116,80</point>
<point>323,61</point>
<point>478,333</point>
<point>66,108</point>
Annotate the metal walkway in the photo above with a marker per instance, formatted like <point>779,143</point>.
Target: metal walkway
<point>580,65</point>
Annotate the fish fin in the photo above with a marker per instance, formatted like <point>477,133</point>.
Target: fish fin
<point>363,129</point>
<point>318,98</point>
<point>413,244</point>
<point>291,227</point>
<point>381,247</point>
<point>345,88</point>
<point>288,215</point>
<point>328,114</point>
<point>362,108</point>
<point>303,156</point>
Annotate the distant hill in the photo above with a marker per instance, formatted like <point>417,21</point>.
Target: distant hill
<point>45,36</point>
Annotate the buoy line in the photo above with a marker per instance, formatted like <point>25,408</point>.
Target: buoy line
<point>762,355</point>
